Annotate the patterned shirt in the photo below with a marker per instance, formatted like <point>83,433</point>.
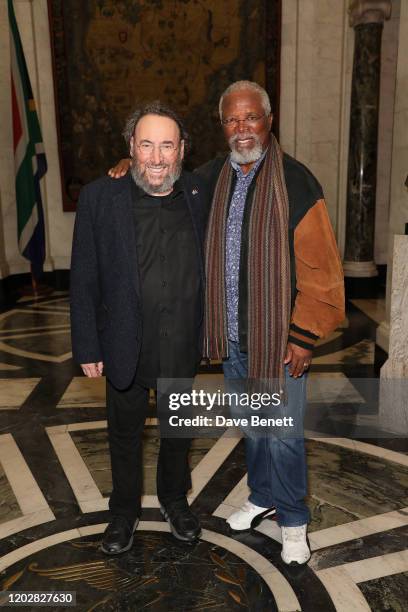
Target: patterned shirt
<point>233,244</point>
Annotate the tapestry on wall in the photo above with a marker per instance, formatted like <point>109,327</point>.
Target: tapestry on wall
<point>108,56</point>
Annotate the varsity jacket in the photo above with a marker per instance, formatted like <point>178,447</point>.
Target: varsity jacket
<point>317,282</point>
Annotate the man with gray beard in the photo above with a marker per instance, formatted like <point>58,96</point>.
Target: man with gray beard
<point>137,284</point>
<point>274,287</point>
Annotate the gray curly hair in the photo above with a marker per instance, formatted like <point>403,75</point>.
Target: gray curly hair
<point>245,85</point>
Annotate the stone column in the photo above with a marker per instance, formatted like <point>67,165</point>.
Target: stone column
<point>393,413</point>
<point>367,18</point>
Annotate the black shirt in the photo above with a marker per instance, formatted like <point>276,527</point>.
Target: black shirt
<point>168,262</point>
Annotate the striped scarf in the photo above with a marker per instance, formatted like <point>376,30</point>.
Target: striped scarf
<point>268,272</point>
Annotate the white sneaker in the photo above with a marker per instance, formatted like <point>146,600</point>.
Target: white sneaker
<point>295,548</point>
<point>244,517</point>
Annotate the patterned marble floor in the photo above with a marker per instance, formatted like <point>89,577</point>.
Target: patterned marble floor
<point>55,481</point>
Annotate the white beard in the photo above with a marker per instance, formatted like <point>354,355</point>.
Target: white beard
<point>246,156</point>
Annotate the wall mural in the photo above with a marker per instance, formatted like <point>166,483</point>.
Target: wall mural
<point>110,55</point>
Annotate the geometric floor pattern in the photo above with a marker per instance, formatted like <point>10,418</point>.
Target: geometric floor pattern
<point>55,482</point>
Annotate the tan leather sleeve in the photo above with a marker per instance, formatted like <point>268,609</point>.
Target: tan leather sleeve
<point>319,305</point>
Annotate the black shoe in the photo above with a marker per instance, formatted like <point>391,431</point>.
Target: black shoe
<point>118,536</point>
<point>183,523</point>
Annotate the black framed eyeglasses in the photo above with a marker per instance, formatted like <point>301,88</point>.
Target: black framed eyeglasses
<point>166,148</point>
<point>251,119</point>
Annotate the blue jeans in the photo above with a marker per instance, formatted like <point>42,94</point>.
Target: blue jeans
<point>277,472</point>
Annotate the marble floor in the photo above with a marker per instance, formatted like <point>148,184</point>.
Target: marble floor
<point>55,481</point>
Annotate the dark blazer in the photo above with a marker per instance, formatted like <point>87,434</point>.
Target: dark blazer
<point>106,313</point>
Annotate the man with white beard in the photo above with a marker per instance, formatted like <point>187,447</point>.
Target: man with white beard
<point>274,286</point>
<point>137,286</point>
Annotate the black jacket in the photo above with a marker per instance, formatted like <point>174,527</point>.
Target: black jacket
<point>106,313</point>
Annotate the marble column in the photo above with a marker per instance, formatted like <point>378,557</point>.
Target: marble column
<point>393,413</point>
<point>367,18</point>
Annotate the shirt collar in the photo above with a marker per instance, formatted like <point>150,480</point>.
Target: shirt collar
<point>254,168</point>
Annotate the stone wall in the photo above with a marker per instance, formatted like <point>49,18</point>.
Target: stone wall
<point>398,212</point>
<point>316,71</point>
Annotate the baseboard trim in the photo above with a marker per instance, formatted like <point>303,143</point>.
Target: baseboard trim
<point>360,288</point>
<point>11,287</point>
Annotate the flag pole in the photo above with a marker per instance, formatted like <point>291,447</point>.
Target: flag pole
<point>34,284</point>
<point>35,288</point>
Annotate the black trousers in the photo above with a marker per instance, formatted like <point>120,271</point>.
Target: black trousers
<point>126,411</point>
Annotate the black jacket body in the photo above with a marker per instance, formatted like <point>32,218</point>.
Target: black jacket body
<point>106,309</point>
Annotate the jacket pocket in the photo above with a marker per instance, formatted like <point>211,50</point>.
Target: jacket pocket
<point>309,260</point>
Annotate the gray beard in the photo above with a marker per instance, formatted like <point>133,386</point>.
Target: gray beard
<point>141,180</point>
<point>245,157</point>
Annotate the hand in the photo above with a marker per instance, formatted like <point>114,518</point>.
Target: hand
<point>298,358</point>
<point>92,370</point>
<point>120,169</point>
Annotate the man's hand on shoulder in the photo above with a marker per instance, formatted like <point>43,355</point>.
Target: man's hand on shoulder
<point>120,169</point>
<point>92,370</point>
<point>298,359</point>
